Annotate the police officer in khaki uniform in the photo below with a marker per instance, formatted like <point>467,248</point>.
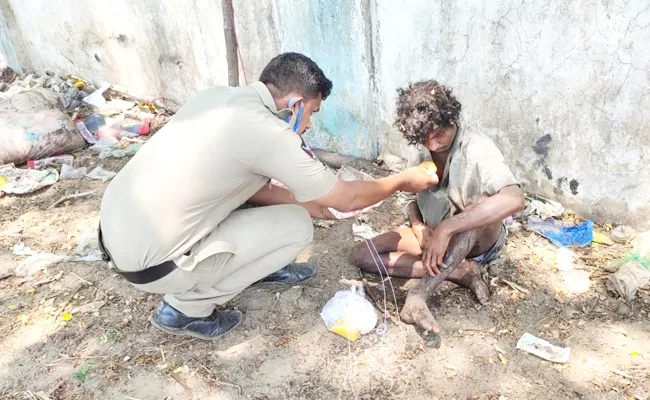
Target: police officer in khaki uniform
<point>171,221</point>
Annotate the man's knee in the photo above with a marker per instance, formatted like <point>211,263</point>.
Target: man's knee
<point>297,219</point>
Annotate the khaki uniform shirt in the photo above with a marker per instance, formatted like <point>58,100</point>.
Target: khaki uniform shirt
<point>220,148</point>
<point>475,167</point>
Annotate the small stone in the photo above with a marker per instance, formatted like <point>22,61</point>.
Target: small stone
<point>494,269</point>
<point>570,313</point>
<point>581,323</point>
<point>292,294</point>
<point>612,266</point>
<point>624,309</point>
<point>622,234</point>
<point>127,358</point>
<point>555,334</point>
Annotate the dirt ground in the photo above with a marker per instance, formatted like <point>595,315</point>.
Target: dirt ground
<point>282,350</point>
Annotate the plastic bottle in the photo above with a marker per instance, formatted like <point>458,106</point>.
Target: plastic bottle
<point>55,161</point>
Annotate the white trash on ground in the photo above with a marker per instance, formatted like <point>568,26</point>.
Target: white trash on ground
<point>21,181</point>
<point>68,172</point>
<point>87,251</point>
<point>35,263</point>
<point>362,232</point>
<point>543,349</point>
<point>349,314</point>
<point>101,174</point>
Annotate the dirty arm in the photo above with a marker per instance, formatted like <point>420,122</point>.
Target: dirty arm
<point>271,195</point>
<point>507,201</point>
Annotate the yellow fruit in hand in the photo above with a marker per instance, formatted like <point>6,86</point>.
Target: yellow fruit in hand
<point>429,167</point>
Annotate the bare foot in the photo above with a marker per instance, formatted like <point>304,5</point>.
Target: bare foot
<point>415,310</point>
<point>468,275</point>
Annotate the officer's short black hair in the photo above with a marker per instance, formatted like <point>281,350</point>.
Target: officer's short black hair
<point>295,72</point>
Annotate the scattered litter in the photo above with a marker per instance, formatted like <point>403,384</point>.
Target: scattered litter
<point>88,308</point>
<point>563,236</point>
<point>51,162</point>
<point>601,238</point>
<point>22,181</point>
<point>104,144</point>
<point>70,98</point>
<point>639,253</point>
<point>95,122</point>
<point>84,132</point>
<point>576,281</point>
<point>543,349</point>
<point>96,99</point>
<point>115,106</point>
<point>565,257</point>
<point>622,234</point>
<point>362,232</point>
<point>36,262</point>
<point>135,127</point>
<point>119,153</point>
<point>87,242</point>
<point>21,250</point>
<point>101,174</point>
<point>544,208</point>
<point>70,173</point>
<point>349,314</point>
<point>630,277</point>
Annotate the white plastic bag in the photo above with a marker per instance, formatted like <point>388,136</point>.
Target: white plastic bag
<point>101,174</point>
<point>349,313</point>
<point>36,262</point>
<point>68,172</point>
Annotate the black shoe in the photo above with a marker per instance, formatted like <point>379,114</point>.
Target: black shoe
<point>169,320</point>
<point>292,274</point>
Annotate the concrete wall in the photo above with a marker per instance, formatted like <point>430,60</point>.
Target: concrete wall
<point>172,47</point>
<point>562,87</point>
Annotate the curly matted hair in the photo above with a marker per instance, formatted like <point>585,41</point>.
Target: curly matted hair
<point>423,107</point>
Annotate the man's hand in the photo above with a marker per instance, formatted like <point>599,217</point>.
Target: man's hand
<point>416,180</point>
<point>434,247</point>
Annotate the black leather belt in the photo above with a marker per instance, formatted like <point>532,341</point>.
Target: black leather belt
<point>147,275</point>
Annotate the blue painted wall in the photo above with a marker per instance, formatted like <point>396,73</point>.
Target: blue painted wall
<point>332,33</point>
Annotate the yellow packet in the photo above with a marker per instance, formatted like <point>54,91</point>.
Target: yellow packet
<point>341,329</point>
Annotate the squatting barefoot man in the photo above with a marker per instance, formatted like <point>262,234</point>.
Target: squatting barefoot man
<point>456,225</point>
<point>171,221</point>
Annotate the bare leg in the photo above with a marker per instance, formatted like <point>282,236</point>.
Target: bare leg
<point>415,308</point>
<point>399,251</point>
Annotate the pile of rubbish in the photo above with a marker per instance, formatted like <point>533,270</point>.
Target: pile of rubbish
<point>45,119</point>
<point>628,274</point>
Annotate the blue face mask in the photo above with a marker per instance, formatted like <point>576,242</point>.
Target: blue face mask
<point>296,124</point>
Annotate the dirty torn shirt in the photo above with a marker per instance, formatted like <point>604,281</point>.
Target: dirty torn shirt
<point>475,167</point>
<point>217,151</point>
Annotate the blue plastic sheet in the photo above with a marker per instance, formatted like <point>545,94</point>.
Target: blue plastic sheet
<point>563,236</point>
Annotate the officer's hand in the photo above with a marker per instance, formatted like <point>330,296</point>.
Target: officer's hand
<point>416,180</point>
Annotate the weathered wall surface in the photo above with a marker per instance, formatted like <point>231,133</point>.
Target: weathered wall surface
<point>562,87</point>
<point>173,47</point>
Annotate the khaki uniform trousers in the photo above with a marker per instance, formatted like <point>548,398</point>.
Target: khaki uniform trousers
<point>263,240</point>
